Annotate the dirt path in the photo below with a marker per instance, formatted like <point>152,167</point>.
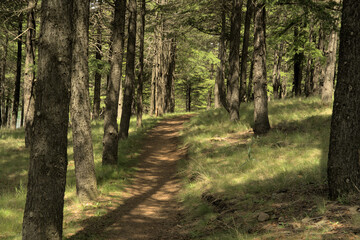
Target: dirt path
<point>149,209</point>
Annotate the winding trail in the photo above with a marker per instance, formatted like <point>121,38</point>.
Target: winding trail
<point>149,209</point>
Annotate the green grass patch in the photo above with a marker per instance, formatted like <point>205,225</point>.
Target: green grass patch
<point>231,169</point>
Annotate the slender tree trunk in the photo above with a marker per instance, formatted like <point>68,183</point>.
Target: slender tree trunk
<point>29,78</point>
<point>139,99</point>
<point>261,120</point>
<point>328,87</point>
<point>43,216</point>
<point>110,140</point>
<point>220,78</point>
<point>318,69</point>
<point>98,56</point>
<point>209,100</point>
<point>130,72</point>
<point>244,55</point>
<point>343,164</point>
<point>309,75</point>
<point>86,187</point>
<point>170,73</point>
<point>2,83</point>
<point>234,61</point>
<point>283,86</point>
<point>153,84</point>
<point>188,97</point>
<point>276,71</point>
<point>22,113</point>
<point>250,95</point>
<point>16,101</point>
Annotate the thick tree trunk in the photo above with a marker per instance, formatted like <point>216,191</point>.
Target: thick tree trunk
<point>261,119</point>
<point>234,61</point>
<point>244,55</point>
<point>43,216</point>
<point>110,140</point>
<point>298,64</point>
<point>139,96</point>
<point>130,72</point>
<point>344,150</point>
<point>86,187</point>
<point>2,83</point>
<point>29,78</point>
<point>97,87</point>
<point>16,101</point>
<point>328,87</point>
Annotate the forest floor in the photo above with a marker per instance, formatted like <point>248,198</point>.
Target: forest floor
<point>148,208</point>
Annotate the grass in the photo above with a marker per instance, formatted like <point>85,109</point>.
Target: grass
<point>234,175</point>
<point>111,181</point>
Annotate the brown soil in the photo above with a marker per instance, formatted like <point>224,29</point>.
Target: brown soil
<point>149,209</point>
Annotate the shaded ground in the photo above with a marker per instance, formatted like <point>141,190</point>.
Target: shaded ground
<point>148,208</point>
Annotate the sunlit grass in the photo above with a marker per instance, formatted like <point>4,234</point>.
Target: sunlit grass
<point>228,162</point>
<point>14,159</point>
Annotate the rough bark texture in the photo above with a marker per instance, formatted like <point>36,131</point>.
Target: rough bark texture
<point>43,216</point>
<point>261,120</point>
<point>16,99</point>
<point>244,55</point>
<point>234,61</point>
<point>298,64</point>
<point>2,83</point>
<point>29,77</point>
<point>130,72</point>
<point>139,96</point>
<point>97,85</point>
<point>86,187</point>
<point>328,87</point>
<point>344,150</point>
<point>110,140</point>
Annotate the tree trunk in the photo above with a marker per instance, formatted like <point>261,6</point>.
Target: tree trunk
<point>43,216</point>
<point>328,87</point>
<point>16,101</point>
<point>2,83</point>
<point>170,74</point>
<point>276,72</point>
<point>209,100</point>
<point>153,84</point>
<point>244,55</point>
<point>220,93</point>
<point>98,56</point>
<point>318,69</point>
<point>234,61</point>
<point>139,99</point>
<point>29,78</point>
<point>188,97</point>
<point>249,94</point>
<point>343,164</point>
<point>298,59</point>
<point>309,70</point>
<point>130,72</point>
<point>261,120</point>
<point>86,188</point>
<point>110,140</point>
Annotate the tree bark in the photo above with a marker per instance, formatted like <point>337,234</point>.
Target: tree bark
<point>130,72</point>
<point>328,87</point>
<point>188,97</point>
<point>276,72</point>
<point>2,83</point>
<point>234,61</point>
<point>29,78</point>
<point>110,140</point>
<point>170,73</point>
<point>298,64</point>
<point>344,149</point>
<point>86,187</point>
<point>98,56</point>
<point>244,55</point>
<point>318,68</point>
<point>16,101</point>
<point>261,119</point>
<point>43,216</point>
<point>139,96</point>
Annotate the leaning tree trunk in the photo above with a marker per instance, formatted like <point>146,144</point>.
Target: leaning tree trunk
<point>110,140</point>
<point>139,96</point>
<point>86,188</point>
<point>244,55</point>
<point>343,164</point>
<point>43,216</point>
<point>328,87</point>
<point>29,78</point>
<point>18,77</point>
<point>234,61</point>
<point>261,119</point>
<point>130,72</point>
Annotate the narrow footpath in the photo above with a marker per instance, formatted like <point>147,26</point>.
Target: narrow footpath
<point>149,210</point>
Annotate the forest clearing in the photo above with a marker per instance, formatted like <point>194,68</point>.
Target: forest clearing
<point>179,119</point>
